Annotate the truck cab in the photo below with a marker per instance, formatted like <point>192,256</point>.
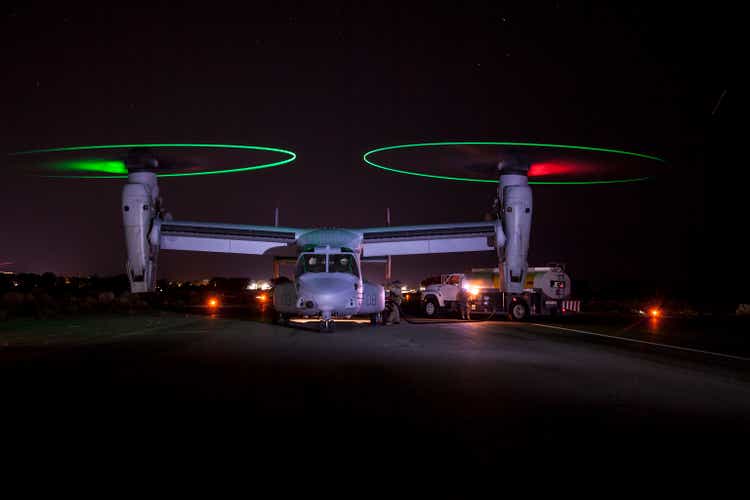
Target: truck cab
<point>439,294</point>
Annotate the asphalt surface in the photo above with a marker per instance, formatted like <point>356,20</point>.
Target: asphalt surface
<point>412,392</point>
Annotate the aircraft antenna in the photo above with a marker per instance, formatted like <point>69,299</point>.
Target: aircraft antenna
<point>388,257</point>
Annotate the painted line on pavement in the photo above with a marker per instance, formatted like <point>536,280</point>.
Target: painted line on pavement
<point>655,344</point>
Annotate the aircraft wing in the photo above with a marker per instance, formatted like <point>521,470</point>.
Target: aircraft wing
<point>224,238</point>
<point>434,238</point>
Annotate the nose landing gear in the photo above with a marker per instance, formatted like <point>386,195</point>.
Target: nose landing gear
<point>376,319</point>
<point>327,325</point>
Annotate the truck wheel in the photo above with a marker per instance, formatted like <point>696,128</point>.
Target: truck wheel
<point>430,307</point>
<point>518,311</point>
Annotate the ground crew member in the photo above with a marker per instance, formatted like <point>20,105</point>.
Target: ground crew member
<point>462,299</point>
<point>394,292</point>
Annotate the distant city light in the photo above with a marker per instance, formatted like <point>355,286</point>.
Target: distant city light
<point>258,285</point>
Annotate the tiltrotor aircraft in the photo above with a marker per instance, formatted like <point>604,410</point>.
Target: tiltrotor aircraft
<point>328,277</point>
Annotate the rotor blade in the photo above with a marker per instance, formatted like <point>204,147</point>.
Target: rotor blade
<point>558,168</point>
<point>94,165</point>
<point>487,168</point>
<point>143,159</point>
<point>509,164</point>
<point>171,163</point>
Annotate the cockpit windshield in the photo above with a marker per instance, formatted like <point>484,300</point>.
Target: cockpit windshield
<point>342,263</point>
<point>337,263</point>
<point>311,263</point>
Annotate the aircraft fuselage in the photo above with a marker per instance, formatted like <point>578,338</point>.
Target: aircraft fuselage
<point>328,280</point>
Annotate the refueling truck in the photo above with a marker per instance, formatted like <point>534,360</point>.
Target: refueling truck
<point>546,292</point>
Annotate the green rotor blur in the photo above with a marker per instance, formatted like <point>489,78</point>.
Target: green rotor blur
<point>81,168</point>
<point>90,165</point>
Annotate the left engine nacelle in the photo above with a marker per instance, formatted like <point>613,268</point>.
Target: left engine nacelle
<point>139,212</point>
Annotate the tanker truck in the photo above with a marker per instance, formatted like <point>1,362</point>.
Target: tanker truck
<point>546,292</point>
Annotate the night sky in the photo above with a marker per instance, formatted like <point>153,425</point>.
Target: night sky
<point>332,81</point>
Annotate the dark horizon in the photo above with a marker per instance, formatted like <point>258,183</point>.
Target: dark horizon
<point>332,83</point>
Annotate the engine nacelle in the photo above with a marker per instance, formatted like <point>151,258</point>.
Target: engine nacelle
<point>516,202</point>
<point>139,210</point>
<point>373,298</point>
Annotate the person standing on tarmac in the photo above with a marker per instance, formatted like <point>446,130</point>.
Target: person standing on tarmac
<point>394,292</point>
<point>462,299</point>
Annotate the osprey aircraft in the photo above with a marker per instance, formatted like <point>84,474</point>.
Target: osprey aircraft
<point>328,280</point>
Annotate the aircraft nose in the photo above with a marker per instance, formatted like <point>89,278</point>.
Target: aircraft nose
<point>328,293</point>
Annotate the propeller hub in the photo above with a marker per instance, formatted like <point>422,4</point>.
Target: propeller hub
<point>141,160</point>
<point>514,166</point>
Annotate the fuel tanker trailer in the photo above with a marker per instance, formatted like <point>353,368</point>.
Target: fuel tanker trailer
<point>546,292</point>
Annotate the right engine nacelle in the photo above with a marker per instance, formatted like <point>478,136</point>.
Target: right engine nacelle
<point>516,203</point>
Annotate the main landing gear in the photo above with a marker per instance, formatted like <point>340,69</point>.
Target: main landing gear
<point>279,318</point>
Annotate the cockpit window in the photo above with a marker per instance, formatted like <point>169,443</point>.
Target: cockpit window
<point>343,263</point>
<point>311,263</point>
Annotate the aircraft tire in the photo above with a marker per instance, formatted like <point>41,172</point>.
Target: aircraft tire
<point>278,318</point>
<point>376,318</point>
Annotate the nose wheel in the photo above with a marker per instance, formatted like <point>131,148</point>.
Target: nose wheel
<point>327,325</point>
